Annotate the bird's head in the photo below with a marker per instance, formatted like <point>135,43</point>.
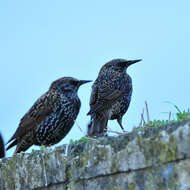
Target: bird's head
<point>67,84</point>
<point>119,65</point>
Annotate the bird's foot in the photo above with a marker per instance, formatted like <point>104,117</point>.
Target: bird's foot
<point>124,131</point>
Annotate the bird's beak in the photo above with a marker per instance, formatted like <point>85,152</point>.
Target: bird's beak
<point>130,62</point>
<point>81,82</point>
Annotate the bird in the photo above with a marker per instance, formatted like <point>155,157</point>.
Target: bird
<point>110,96</point>
<point>2,148</point>
<point>51,117</point>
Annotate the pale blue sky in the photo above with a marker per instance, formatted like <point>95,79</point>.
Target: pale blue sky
<point>42,40</point>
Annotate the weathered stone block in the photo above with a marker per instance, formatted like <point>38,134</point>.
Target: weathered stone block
<point>150,159</point>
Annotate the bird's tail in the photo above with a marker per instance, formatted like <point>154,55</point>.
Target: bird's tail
<point>2,147</point>
<point>12,144</point>
<point>97,125</point>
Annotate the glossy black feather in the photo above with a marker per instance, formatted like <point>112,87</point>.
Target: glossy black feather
<point>110,96</point>
<point>51,117</point>
<point>2,147</point>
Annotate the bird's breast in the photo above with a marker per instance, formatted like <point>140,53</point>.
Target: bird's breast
<point>70,106</point>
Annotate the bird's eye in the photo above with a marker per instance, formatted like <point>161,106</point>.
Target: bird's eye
<point>74,83</point>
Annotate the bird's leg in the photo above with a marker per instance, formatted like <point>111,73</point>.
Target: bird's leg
<point>105,127</point>
<point>104,123</point>
<point>119,120</point>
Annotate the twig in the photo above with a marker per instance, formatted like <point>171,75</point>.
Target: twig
<point>111,131</point>
<point>140,124</point>
<point>83,132</point>
<point>143,120</point>
<point>79,126</point>
<point>169,116</point>
<point>147,112</point>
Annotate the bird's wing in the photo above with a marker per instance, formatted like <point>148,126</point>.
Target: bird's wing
<point>94,94</point>
<point>108,98</point>
<point>112,95</point>
<point>93,97</point>
<point>105,98</point>
<point>37,113</point>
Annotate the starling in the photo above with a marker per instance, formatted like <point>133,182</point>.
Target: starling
<point>2,148</point>
<point>51,117</point>
<point>110,96</point>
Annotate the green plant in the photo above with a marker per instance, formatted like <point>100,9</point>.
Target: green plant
<point>180,115</point>
<point>42,147</point>
<point>83,139</point>
<point>33,150</point>
<point>157,123</point>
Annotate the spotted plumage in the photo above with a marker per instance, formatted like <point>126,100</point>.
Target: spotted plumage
<point>110,96</point>
<point>51,117</point>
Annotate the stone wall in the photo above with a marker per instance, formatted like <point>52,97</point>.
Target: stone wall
<point>150,159</point>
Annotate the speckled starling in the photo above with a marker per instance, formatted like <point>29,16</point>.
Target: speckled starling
<point>111,95</point>
<point>2,148</point>
<point>51,117</point>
